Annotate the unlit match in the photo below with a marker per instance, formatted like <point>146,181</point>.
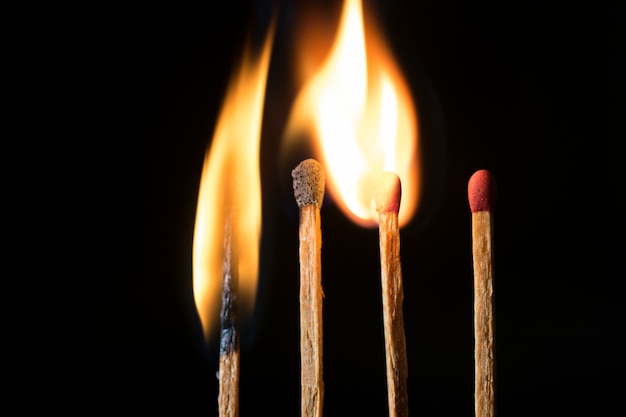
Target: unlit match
<point>308,186</point>
<point>388,192</point>
<point>481,192</point>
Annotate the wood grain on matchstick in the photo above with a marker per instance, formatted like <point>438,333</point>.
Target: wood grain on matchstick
<point>228,398</point>
<point>387,199</point>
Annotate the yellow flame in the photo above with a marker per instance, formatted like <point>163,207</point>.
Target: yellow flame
<point>359,110</point>
<point>230,193</point>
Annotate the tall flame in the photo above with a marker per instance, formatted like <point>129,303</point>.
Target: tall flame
<point>359,110</point>
<point>229,199</point>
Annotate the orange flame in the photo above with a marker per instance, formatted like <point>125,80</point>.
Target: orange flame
<point>229,199</point>
<point>359,110</point>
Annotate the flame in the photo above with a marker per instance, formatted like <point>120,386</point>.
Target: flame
<point>359,110</point>
<point>229,199</point>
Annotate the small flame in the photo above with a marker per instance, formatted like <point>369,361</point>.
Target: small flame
<point>359,110</point>
<point>229,199</point>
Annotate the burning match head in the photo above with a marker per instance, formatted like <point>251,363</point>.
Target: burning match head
<point>387,193</point>
<point>308,183</point>
<point>481,191</point>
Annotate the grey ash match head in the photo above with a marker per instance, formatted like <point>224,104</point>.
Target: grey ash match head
<point>308,183</point>
<point>387,193</point>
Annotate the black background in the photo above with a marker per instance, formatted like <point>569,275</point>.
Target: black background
<point>531,91</point>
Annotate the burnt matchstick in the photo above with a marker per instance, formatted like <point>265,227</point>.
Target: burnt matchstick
<point>481,190</point>
<point>388,192</point>
<point>228,399</point>
<point>308,187</point>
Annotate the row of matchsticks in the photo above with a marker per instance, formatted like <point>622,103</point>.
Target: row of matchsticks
<point>309,186</point>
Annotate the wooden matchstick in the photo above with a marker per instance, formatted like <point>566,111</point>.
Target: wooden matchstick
<point>388,192</point>
<point>481,195</point>
<point>228,399</point>
<point>308,187</point>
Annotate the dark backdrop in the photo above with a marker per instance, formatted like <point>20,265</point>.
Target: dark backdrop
<point>529,90</point>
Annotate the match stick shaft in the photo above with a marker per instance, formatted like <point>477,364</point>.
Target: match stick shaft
<point>483,314</point>
<point>393,295</point>
<point>229,385</point>
<point>311,311</point>
<point>228,399</point>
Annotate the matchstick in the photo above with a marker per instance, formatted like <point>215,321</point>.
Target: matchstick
<point>481,195</point>
<point>308,187</point>
<point>388,192</point>
<point>228,399</point>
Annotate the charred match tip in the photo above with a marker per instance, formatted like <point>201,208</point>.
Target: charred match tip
<point>481,191</point>
<point>308,183</point>
<point>387,193</point>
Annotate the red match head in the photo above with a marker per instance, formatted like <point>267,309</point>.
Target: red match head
<point>481,191</point>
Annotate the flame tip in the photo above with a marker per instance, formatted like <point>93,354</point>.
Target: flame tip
<point>358,108</point>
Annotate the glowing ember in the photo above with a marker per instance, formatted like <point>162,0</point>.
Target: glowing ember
<point>230,193</point>
<point>359,111</point>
